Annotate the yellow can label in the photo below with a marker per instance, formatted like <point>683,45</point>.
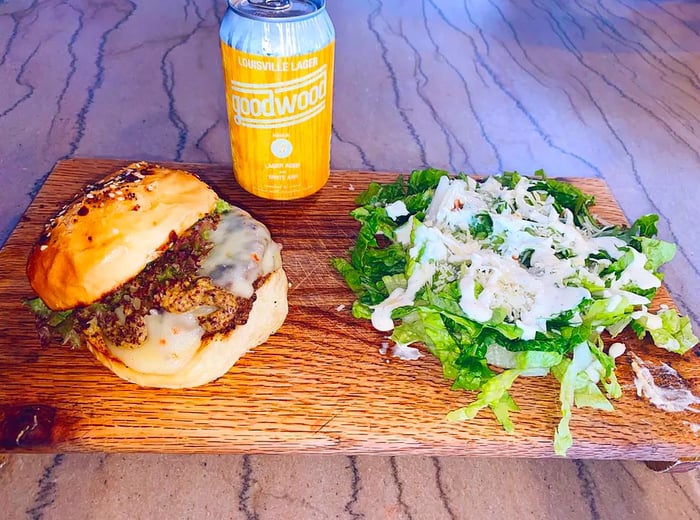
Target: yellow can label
<point>280,115</point>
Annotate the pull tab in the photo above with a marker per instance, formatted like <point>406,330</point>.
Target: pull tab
<point>273,5</point>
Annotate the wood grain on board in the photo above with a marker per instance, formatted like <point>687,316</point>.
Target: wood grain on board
<point>318,385</point>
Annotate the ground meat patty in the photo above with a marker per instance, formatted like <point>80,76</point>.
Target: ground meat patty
<point>230,310</point>
<point>123,325</point>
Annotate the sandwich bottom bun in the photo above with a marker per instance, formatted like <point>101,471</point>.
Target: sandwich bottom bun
<point>216,355</point>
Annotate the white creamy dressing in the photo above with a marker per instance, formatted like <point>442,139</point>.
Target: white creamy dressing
<point>616,350</point>
<point>529,299</point>
<point>381,317</point>
<point>491,276</point>
<point>673,397</point>
<point>611,245</point>
<point>594,370</point>
<point>403,232</point>
<point>653,322</point>
<point>405,352</point>
<point>429,243</point>
<point>401,351</point>
<point>630,297</point>
<point>635,274</point>
<point>243,251</point>
<point>396,209</point>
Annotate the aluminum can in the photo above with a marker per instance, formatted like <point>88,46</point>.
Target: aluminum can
<point>278,71</point>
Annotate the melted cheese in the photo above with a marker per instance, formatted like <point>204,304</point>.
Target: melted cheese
<point>243,252</point>
<point>173,339</point>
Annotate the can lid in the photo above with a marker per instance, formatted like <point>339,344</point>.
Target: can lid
<point>269,10</point>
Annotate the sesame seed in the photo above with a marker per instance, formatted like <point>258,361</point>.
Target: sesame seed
<point>43,247</point>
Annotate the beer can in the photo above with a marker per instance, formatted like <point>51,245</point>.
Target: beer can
<point>278,70</point>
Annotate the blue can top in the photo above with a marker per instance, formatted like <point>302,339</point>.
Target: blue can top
<point>277,10</point>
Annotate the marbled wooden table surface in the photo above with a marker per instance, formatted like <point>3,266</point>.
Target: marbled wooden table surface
<point>582,88</point>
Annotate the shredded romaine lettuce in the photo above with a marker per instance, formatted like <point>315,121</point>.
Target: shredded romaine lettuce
<point>508,277</point>
<point>494,394</point>
<point>668,330</point>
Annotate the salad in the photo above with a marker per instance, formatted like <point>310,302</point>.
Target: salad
<point>508,277</point>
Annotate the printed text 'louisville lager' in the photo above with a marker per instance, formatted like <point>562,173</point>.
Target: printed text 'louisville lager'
<point>278,72</point>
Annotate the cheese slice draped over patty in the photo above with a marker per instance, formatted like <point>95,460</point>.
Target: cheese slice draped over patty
<point>243,252</point>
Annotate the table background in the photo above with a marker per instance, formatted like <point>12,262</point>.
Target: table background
<point>580,88</point>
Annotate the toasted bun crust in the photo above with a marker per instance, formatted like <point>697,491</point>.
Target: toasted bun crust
<point>108,234</point>
<point>216,356</point>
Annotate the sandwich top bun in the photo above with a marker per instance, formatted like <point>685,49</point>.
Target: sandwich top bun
<point>110,231</point>
<point>186,284</point>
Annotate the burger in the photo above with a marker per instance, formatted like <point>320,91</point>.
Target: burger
<point>164,282</point>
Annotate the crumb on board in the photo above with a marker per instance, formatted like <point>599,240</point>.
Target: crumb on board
<point>340,307</point>
<point>384,348</point>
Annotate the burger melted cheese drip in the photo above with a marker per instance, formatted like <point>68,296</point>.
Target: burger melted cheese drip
<point>243,251</point>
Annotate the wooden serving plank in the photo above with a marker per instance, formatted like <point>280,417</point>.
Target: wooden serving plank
<point>318,385</point>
